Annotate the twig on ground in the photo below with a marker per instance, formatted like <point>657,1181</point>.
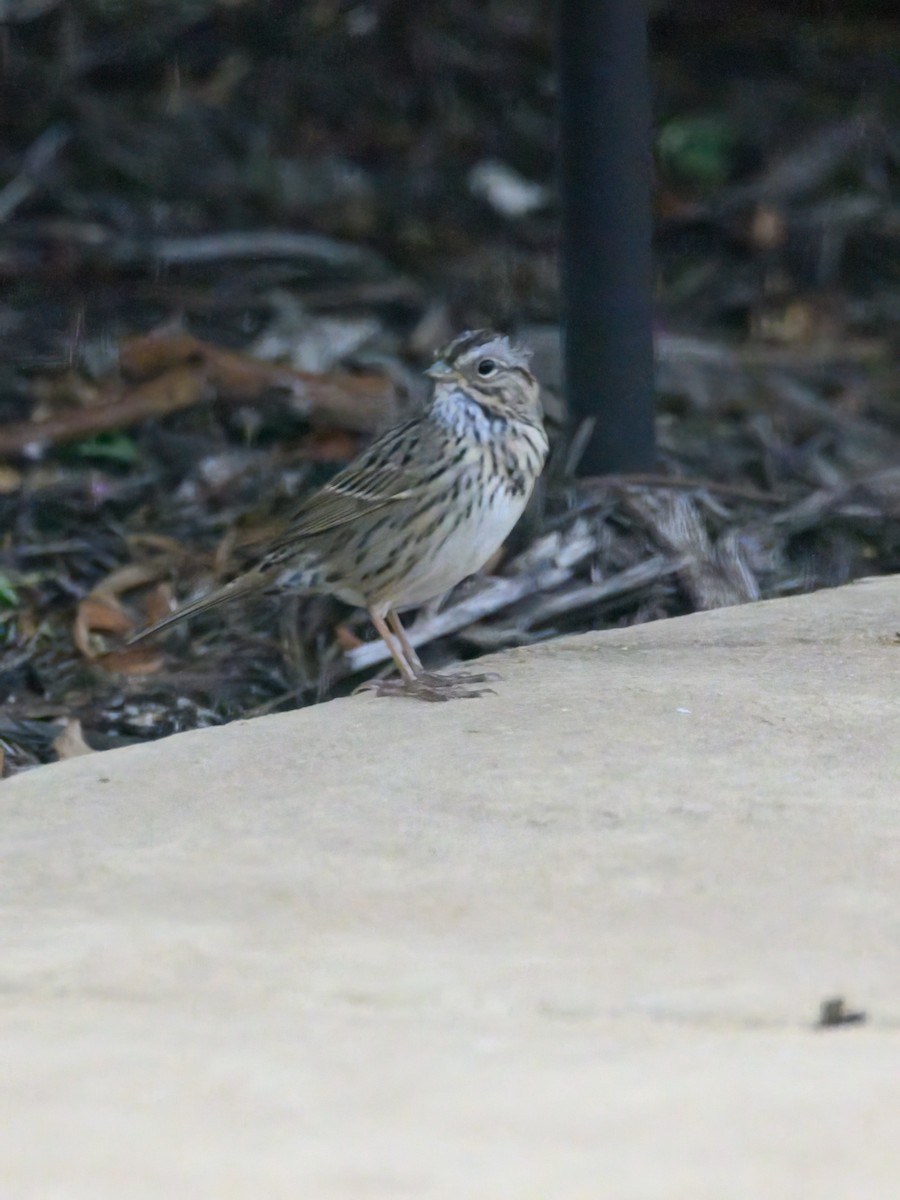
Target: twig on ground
<point>37,161</point>
<point>731,491</point>
<point>544,608</point>
<point>252,244</point>
<point>712,577</point>
<point>678,349</point>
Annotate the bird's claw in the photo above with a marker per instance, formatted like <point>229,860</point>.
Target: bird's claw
<point>431,686</point>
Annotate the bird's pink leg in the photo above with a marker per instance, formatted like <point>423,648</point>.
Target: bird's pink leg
<point>397,648</point>
<point>403,638</point>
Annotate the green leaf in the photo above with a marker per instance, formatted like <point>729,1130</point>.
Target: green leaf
<point>698,149</point>
<point>107,447</point>
<point>9,597</point>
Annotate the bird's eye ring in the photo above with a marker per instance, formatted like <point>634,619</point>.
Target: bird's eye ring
<point>486,367</point>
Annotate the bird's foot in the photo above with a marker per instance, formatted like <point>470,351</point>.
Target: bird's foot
<point>431,686</point>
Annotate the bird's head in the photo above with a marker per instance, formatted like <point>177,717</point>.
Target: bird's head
<point>486,368</point>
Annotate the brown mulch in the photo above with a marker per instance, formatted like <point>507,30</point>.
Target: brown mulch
<point>231,235</point>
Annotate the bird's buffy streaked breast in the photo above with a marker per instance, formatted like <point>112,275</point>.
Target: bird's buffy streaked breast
<point>463,546</point>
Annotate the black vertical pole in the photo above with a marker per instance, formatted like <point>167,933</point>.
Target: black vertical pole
<point>606,229</point>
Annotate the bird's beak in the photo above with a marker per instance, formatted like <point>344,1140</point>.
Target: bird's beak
<point>440,370</point>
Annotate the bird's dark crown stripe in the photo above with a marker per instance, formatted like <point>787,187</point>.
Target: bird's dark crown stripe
<point>466,342</point>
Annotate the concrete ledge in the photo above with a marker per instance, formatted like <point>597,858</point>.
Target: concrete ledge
<point>565,941</point>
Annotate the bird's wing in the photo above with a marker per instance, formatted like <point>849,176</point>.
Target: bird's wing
<point>382,475</point>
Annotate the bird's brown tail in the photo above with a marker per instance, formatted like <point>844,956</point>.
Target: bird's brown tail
<point>252,581</point>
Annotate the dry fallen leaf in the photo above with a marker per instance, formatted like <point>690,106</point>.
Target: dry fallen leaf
<point>10,480</point>
<point>326,446</point>
<point>158,603</point>
<point>768,228</point>
<point>150,354</point>
<point>346,638</point>
<point>98,613</point>
<point>132,660</point>
<point>132,575</point>
<point>70,743</point>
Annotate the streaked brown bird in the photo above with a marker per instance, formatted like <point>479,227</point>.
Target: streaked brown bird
<point>426,505</point>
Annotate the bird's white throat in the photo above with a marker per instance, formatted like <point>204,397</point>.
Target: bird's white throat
<point>464,417</point>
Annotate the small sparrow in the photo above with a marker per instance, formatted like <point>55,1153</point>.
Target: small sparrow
<point>425,506</point>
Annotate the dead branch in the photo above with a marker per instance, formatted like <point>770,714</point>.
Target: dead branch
<point>802,170</point>
<point>194,371</point>
<point>179,388</point>
<point>363,403</point>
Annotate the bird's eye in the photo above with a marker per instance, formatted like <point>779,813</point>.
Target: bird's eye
<point>486,367</point>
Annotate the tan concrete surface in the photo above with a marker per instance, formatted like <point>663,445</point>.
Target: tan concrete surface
<point>568,941</point>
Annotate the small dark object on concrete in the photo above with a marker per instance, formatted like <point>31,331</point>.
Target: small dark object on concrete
<point>833,1011</point>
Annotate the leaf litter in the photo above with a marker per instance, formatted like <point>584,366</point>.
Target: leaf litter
<point>217,286</point>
